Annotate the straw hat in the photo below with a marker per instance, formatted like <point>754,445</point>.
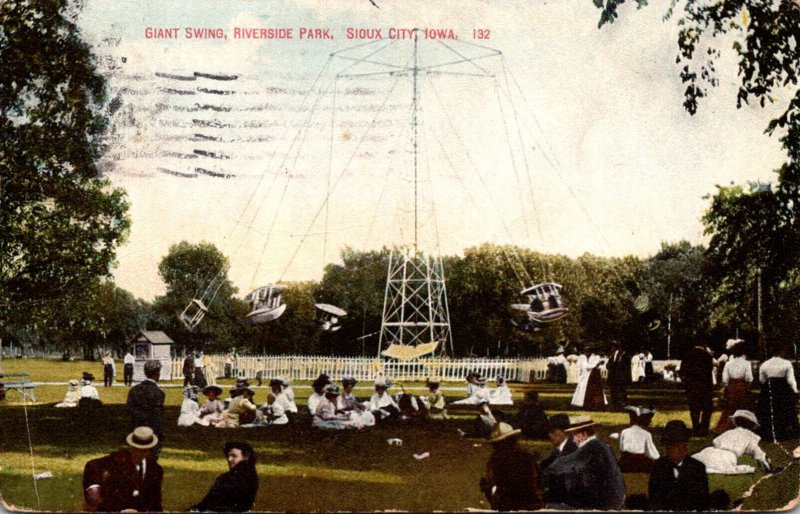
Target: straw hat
<point>560,349</point>
<point>379,382</point>
<point>433,381</point>
<point>577,423</point>
<point>744,414</point>
<point>641,411</point>
<point>142,438</point>
<point>502,431</point>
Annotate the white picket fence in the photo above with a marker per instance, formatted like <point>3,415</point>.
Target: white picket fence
<point>309,367</point>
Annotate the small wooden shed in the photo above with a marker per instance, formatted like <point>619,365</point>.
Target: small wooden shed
<point>152,344</point>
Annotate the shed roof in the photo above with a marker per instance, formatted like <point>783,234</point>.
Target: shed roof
<point>155,337</point>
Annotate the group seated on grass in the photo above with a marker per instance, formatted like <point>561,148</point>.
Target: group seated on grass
<point>81,394</point>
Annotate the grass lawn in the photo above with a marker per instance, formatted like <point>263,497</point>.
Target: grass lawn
<point>302,469</point>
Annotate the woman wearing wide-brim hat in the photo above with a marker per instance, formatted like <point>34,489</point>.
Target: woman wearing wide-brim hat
<point>241,410</point>
<point>736,377</point>
<point>511,481</point>
<point>211,413</point>
<point>723,457</point>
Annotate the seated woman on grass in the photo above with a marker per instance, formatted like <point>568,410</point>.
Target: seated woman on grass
<point>723,457</point>
<point>381,403</point>
<point>72,396</point>
<point>241,410</point>
<point>317,385</point>
<point>89,395</point>
<point>501,395</point>
<point>477,393</point>
<point>347,403</point>
<point>190,409</point>
<point>273,412</point>
<point>328,416</point>
<point>211,412</point>
<point>434,401</point>
<point>639,452</point>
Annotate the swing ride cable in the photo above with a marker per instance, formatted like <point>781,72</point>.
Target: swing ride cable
<point>556,166</point>
<point>330,168</point>
<point>473,201</point>
<point>344,170</point>
<point>297,154</point>
<point>477,172</point>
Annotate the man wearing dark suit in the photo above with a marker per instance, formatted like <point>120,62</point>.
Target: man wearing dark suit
<point>188,370</point>
<point>146,403</point>
<point>234,491</point>
<point>696,368</point>
<point>125,479</point>
<point>678,482</point>
<point>588,478</point>
<point>564,445</point>
<point>619,375</point>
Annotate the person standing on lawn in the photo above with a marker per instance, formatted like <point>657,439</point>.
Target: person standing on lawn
<point>511,481</point>
<point>678,481</point>
<point>146,403</point>
<point>188,370</point>
<point>696,374</point>
<point>108,370</point>
<point>125,480</point>
<point>737,375</point>
<point>619,375</point>
<point>234,491</point>
<point>127,369</point>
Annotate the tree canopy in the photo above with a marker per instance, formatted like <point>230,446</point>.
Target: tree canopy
<point>60,221</point>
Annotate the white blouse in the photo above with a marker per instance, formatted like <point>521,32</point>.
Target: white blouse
<point>313,401</point>
<point>737,367</point>
<point>378,401</point>
<point>777,367</point>
<point>741,442</point>
<point>636,439</point>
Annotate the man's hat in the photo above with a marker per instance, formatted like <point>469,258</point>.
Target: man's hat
<point>578,423</point>
<point>208,389</point>
<point>331,389</point>
<point>558,421</point>
<point>675,431</point>
<point>142,438</point>
<point>502,431</point>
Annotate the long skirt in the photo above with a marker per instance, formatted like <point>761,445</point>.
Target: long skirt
<point>777,411</point>
<point>595,398</point>
<point>737,396</point>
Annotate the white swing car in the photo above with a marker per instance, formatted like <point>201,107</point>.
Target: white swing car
<point>545,302</point>
<point>265,304</point>
<point>328,316</point>
<point>193,314</point>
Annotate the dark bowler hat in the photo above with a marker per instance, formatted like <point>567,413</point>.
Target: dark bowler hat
<point>675,431</point>
<point>87,376</point>
<point>558,421</point>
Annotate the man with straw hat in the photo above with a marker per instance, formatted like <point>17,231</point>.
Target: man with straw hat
<point>588,478</point>
<point>511,480</point>
<point>678,481</point>
<point>128,479</point>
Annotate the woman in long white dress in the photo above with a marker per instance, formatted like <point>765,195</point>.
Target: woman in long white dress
<point>589,392</point>
<point>723,457</point>
<point>572,368</point>
<point>501,395</point>
<point>72,396</point>
<point>635,368</point>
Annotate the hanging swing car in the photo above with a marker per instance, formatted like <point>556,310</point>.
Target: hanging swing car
<point>546,303</point>
<point>265,304</point>
<point>193,314</point>
<point>328,316</point>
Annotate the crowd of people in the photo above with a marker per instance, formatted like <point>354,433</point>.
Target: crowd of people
<point>581,471</point>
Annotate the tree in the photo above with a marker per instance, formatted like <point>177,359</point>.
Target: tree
<point>60,222</point>
<point>758,228</point>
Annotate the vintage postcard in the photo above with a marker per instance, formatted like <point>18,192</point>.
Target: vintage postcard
<point>528,170</point>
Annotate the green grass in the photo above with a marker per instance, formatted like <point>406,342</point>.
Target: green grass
<point>302,469</point>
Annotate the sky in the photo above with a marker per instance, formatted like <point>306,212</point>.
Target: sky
<point>567,139</point>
